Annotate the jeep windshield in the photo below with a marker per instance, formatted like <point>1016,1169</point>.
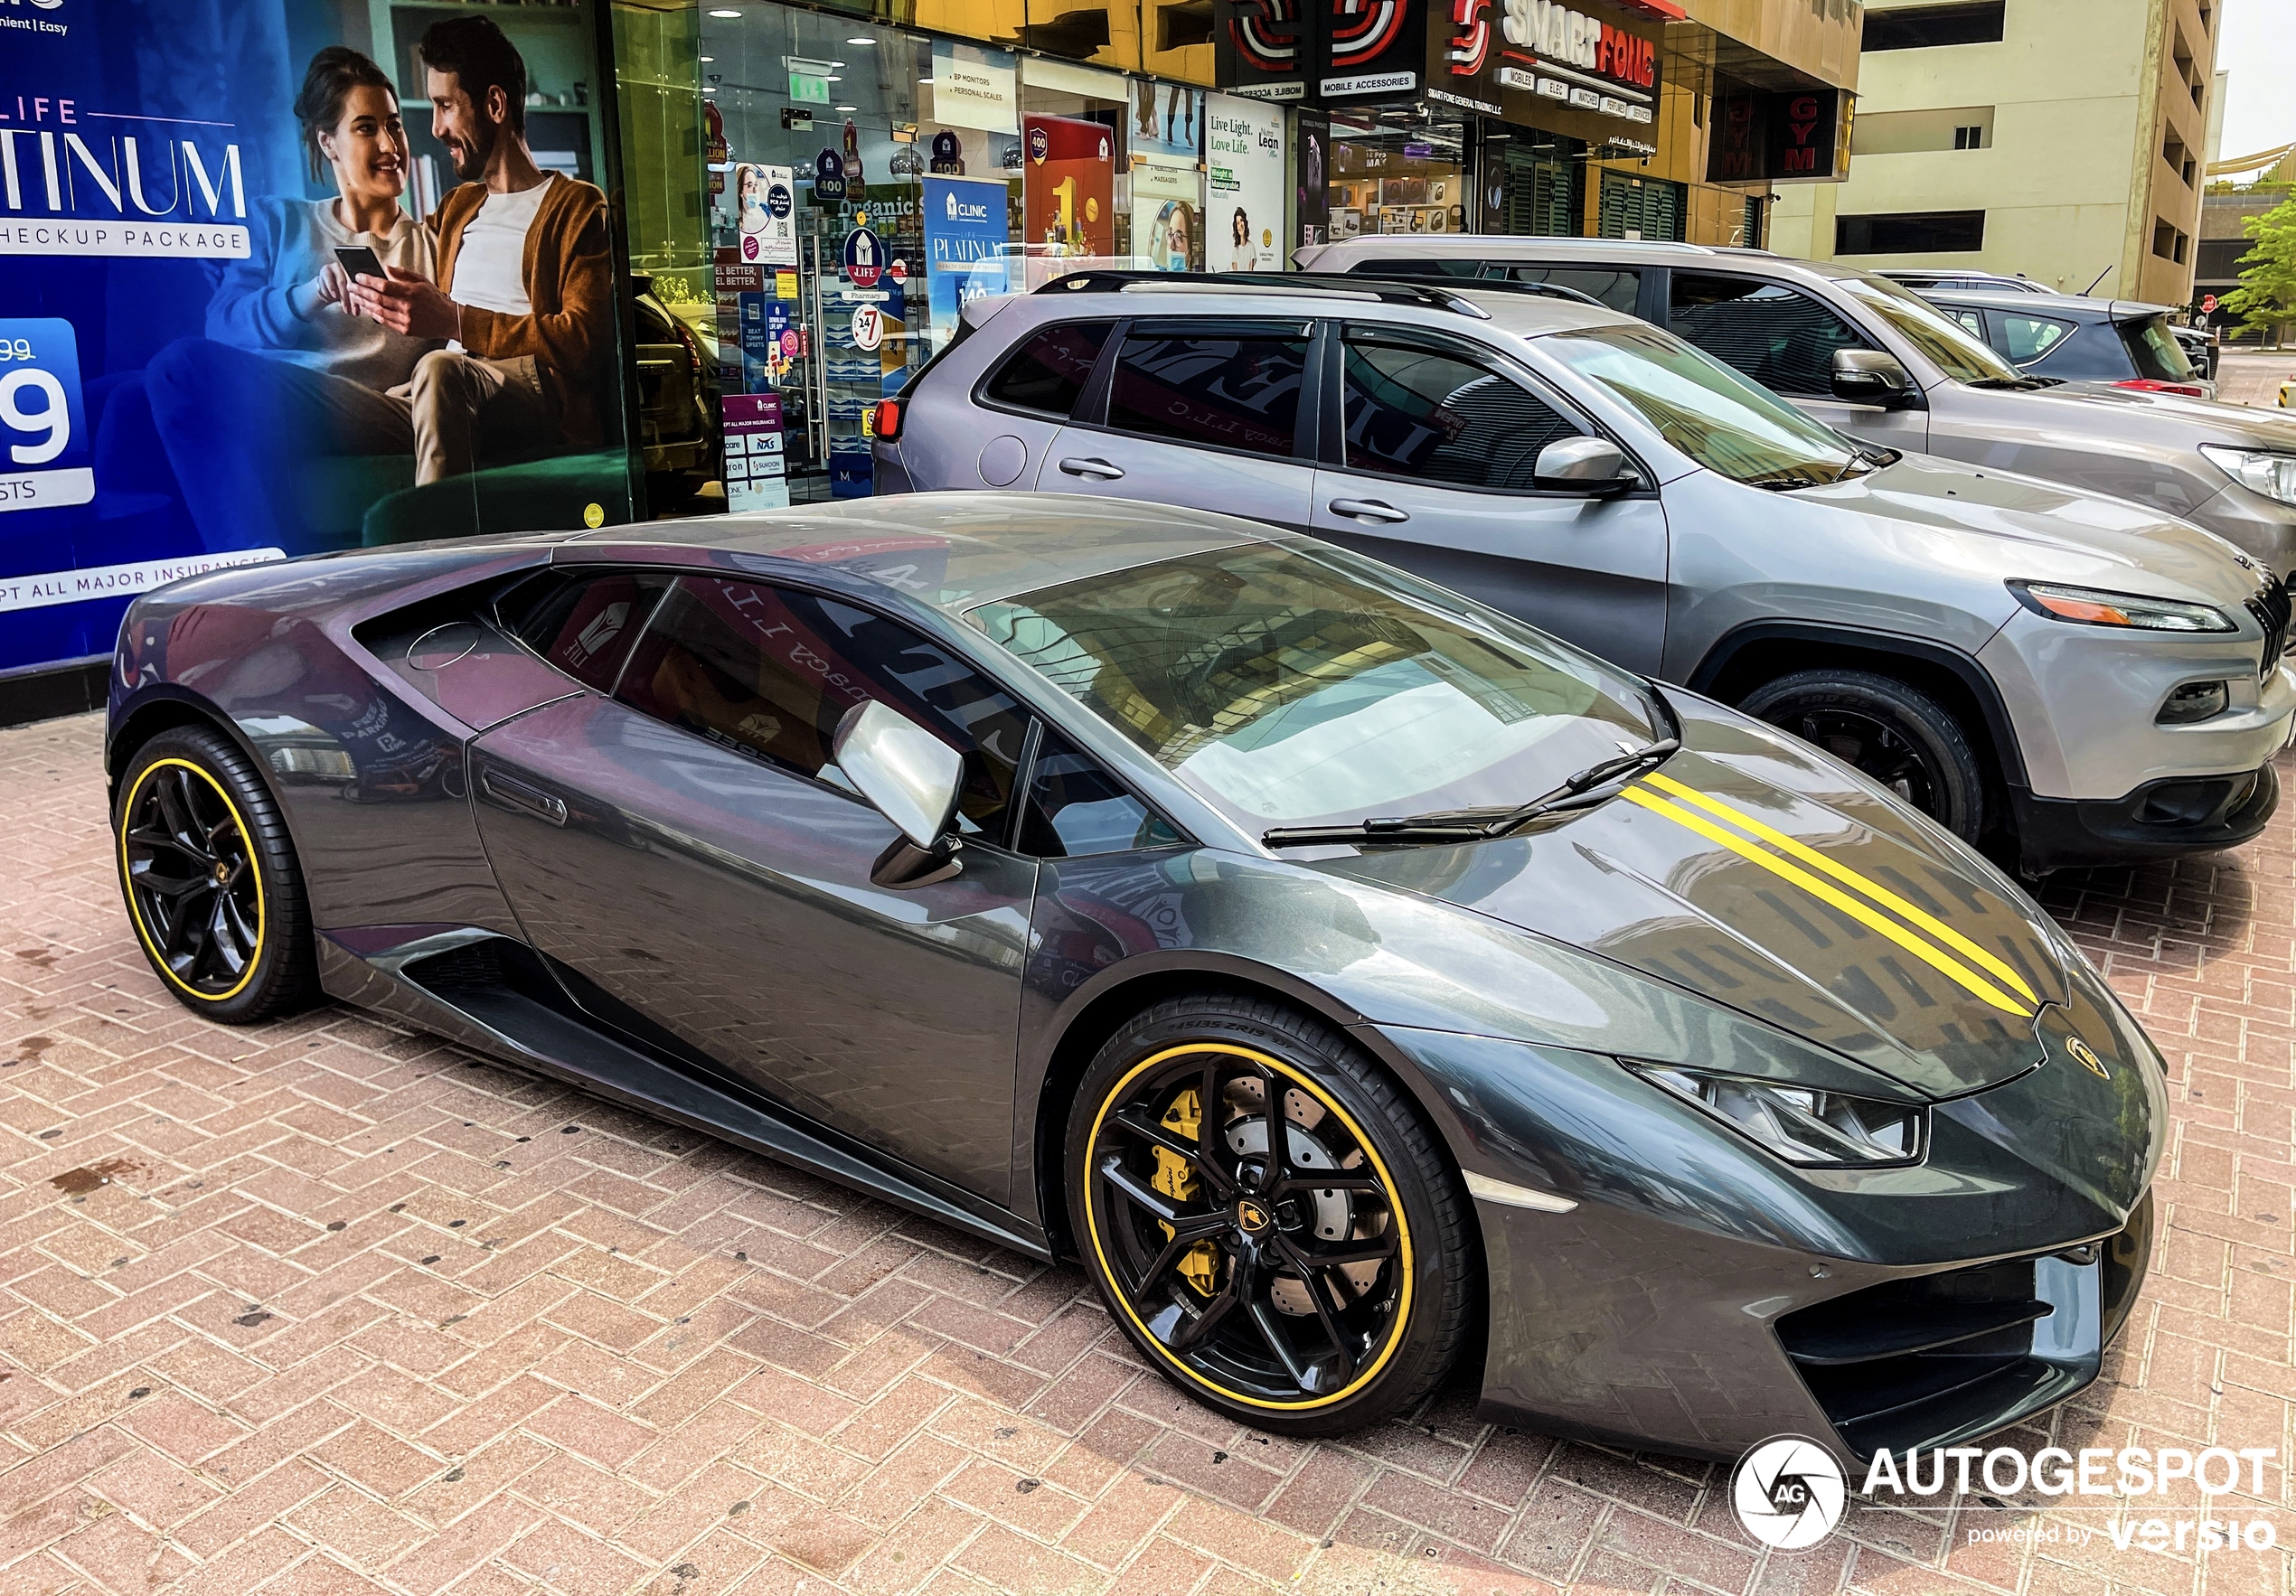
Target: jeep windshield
<point>1724,421</point>
<point>1288,684</point>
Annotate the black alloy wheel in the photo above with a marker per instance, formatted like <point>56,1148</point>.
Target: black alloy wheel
<point>211,881</point>
<point>1892,733</point>
<point>1305,1281</point>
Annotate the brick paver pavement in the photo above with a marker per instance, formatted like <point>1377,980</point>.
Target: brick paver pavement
<point>324,1306</point>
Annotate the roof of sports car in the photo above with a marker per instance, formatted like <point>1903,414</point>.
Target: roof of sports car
<point>948,551</point>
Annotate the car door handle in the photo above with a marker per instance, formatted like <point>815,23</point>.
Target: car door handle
<point>1369,510</point>
<point>1087,465</point>
<point>519,795</point>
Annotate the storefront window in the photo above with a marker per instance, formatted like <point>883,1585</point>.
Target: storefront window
<point>1397,171</point>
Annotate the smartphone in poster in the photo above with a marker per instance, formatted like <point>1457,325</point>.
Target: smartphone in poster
<point>1311,202</point>
<point>966,234</point>
<point>1067,194</point>
<point>1244,185</point>
<point>766,202</point>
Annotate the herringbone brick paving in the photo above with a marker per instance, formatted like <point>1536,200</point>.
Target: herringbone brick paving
<point>324,1307</point>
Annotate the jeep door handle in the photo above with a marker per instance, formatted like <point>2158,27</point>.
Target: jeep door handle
<point>1377,510</point>
<point>1088,466</point>
<point>520,795</point>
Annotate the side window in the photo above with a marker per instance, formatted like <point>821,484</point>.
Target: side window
<point>1781,338</point>
<point>1048,373</point>
<point>2028,338</point>
<point>1418,412</point>
<point>583,625</point>
<point>770,672</point>
<point>1621,290</point>
<point>1973,320</point>
<point>1077,808</point>
<point>1231,389</point>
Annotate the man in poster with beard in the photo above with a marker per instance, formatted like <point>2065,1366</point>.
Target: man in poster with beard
<point>525,277</point>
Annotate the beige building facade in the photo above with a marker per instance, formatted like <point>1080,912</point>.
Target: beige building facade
<point>2065,140</point>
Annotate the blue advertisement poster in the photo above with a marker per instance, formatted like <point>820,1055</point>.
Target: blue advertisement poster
<point>966,226</point>
<point>281,276</point>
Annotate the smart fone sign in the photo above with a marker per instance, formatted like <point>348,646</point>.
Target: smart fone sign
<point>1527,60</point>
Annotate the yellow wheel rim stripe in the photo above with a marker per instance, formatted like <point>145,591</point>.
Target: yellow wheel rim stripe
<point>1843,873</point>
<point>1936,959</point>
<point>135,910</point>
<point>1277,1123</point>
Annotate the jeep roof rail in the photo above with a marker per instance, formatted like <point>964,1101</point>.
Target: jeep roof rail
<point>1427,296</point>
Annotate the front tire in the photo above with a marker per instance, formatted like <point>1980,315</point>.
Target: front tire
<point>213,889</point>
<point>1890,733</point>
<point>1307,1289</point>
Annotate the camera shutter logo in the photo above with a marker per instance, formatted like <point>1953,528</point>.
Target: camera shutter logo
<point>1789,1492</point>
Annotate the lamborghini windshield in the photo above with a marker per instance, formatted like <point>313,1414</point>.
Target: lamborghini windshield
<point>1287,685</point>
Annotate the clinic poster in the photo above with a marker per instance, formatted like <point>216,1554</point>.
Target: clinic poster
<point>766,208</point>
<point>1244,185</point>
<point>966,234</point>
<point>1068,195</point>
<point>181,386</point>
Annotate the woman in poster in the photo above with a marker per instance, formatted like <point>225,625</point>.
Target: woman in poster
<point>1175,232</point>
<point>286,370</point>
<point>1241,256</point>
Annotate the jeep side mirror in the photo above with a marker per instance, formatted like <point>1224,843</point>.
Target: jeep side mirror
<point>1584,465</point>
<point>1871,377</point>
<point>914,779</point>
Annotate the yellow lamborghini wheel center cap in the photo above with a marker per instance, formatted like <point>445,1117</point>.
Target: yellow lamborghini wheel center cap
<point>1251,1216</point>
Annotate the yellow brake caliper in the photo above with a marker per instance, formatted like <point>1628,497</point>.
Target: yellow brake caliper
<point>1200,1265</point>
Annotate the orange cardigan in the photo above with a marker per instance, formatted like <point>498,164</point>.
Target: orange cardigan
<point>569,269</point>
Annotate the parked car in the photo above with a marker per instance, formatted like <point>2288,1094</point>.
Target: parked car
<point>1872,358</point>
<point>677,385</point>
<point>1025,861</point>
<point>1921,281</point>
<point>2070,677</point>
<point>2070,338</point>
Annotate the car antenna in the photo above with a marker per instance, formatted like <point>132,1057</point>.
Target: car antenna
<point>2093,282</point>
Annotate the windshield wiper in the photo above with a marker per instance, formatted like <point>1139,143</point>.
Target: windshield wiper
<point>1476,825</point>
<point>1785,482</point>
<point>2013,384</point>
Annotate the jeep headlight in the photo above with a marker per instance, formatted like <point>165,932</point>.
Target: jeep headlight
<point>2263,471</point>
<point>1800,1125</point>
<point>2093,606</point>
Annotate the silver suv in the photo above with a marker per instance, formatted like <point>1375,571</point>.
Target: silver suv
<point>1869,356</point>
<point>2066,677</point>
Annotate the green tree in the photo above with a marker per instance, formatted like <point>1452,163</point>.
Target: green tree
<point>2266,296</point>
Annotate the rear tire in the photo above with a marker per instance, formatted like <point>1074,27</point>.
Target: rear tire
<point>1206,1250</point>
<point>1891,732</point>
<point>213,889</point>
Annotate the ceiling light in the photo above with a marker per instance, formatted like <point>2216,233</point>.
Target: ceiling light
<point>868,42</point>
<point>849,107</point>
<point>725,13</point>
<point>925,82</point>
<point>709,58</point>
<point>834,79</point>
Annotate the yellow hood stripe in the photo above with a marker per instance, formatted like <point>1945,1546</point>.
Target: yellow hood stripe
<point>1943,962</point>
<point>1842,873</point>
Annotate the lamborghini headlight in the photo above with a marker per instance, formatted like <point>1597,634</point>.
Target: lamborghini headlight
<point>1799,1124</point>
<point>2264,471</point>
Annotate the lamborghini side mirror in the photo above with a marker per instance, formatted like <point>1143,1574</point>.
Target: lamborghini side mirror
<point>913,778</point>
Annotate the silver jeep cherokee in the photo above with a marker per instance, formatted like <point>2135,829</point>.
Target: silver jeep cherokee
<point>1867,355</point>
<point>2067,678</point>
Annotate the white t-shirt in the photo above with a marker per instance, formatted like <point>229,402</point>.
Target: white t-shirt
<point>490,269</point>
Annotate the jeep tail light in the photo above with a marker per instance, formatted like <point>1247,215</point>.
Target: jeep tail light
<point>887,424</point>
